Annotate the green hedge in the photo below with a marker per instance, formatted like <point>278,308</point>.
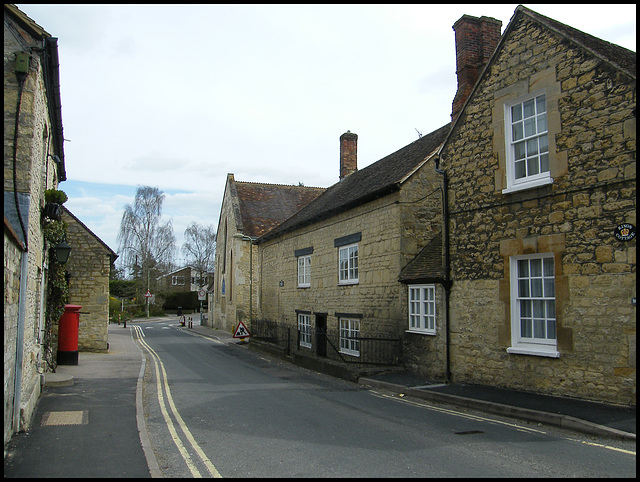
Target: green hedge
<point>187,300</point>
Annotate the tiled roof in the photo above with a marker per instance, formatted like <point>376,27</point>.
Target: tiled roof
<point>365,185</point>
<point>264,206</point>
<point>427,266</point>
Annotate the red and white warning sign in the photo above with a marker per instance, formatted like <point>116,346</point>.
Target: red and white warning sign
<point>241,331</point>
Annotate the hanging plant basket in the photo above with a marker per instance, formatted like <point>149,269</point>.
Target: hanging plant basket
<point>52,211</point>
<point>54,199</point>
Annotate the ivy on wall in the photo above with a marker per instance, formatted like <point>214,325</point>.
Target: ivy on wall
<point>57,288</point>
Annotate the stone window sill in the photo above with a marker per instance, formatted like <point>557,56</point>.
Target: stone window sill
<point>534,351</point>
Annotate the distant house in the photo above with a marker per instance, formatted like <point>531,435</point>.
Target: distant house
<point>185,279</point>
<point>541,166</point>
<point>89,266</point>
<point>33,163</point>
<point>248,211</point>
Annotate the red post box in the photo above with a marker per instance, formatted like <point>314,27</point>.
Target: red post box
<point>68,335</point>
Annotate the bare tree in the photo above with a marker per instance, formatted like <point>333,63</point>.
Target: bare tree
<point>144,241</point>
<point>199,248</point>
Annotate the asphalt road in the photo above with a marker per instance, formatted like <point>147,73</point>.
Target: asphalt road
<point>222,410</point>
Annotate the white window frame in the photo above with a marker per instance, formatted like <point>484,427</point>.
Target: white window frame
<point>422,309</point>
<point>349,332</point>
<point>304,271</point>
<point>533,293</point>
<point>541,122</point>
<point>304,326</point>
<point>348,264</point>
<point>177,280</point>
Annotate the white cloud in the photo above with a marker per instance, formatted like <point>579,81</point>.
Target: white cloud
<point>179,96</point>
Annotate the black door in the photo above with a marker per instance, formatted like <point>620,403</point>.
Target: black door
<point>321,334</point>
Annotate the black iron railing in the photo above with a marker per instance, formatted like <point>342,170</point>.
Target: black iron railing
<point>361,350</point>
<point>272,332</point>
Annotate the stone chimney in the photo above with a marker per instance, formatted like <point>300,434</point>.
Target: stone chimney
<point>348,154</point>
<point>476,40</point>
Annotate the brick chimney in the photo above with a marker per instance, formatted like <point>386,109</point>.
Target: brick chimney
<point>476,40</point>
<point>348,154</point>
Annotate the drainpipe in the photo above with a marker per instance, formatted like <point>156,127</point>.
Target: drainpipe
<point>22,304</point>
<point>21,71</point>
<point>447,263</point>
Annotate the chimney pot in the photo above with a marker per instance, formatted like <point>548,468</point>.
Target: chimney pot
<point>348,154</point>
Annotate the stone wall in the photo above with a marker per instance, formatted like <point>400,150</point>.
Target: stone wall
<point>421,220</point>
<point>89,266</point>
<point>230,300</point>
<point>426,354</point>
<point>12,255</point>
<point>35,172</point>
<point>376,297</point>
<point>592,151</point>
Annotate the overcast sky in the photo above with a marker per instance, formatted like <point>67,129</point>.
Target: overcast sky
<point>178,96</point>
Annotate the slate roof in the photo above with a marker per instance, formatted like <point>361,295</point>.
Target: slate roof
<point>427,266</point>
<point>376,180</point>
<point>11,220</point>
<point>262,207</point>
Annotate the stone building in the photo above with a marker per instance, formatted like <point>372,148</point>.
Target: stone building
<point>89,266</point>
<point>500,248</point>
<point>333,268</point>
<point>541,171</point>
<point>248,210</point>
<point>33,163</point>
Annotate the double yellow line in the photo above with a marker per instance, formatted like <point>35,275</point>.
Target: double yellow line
<point>161,383</point>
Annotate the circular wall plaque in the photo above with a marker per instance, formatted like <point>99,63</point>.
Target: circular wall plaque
<point>625,232</point>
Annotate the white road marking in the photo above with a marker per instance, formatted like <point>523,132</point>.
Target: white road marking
<point>479,418</point>
<point>456,413</point>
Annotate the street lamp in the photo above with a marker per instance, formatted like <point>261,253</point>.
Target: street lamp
<point>244,237</point>
<point>62,251</point>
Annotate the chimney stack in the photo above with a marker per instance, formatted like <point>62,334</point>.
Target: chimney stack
<point>476,40</point>
<point>348,154</point>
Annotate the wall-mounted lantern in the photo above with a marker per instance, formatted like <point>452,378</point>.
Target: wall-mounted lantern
<point>62,250</point>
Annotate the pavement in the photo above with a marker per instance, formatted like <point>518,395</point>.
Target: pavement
<point>88,421</point>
